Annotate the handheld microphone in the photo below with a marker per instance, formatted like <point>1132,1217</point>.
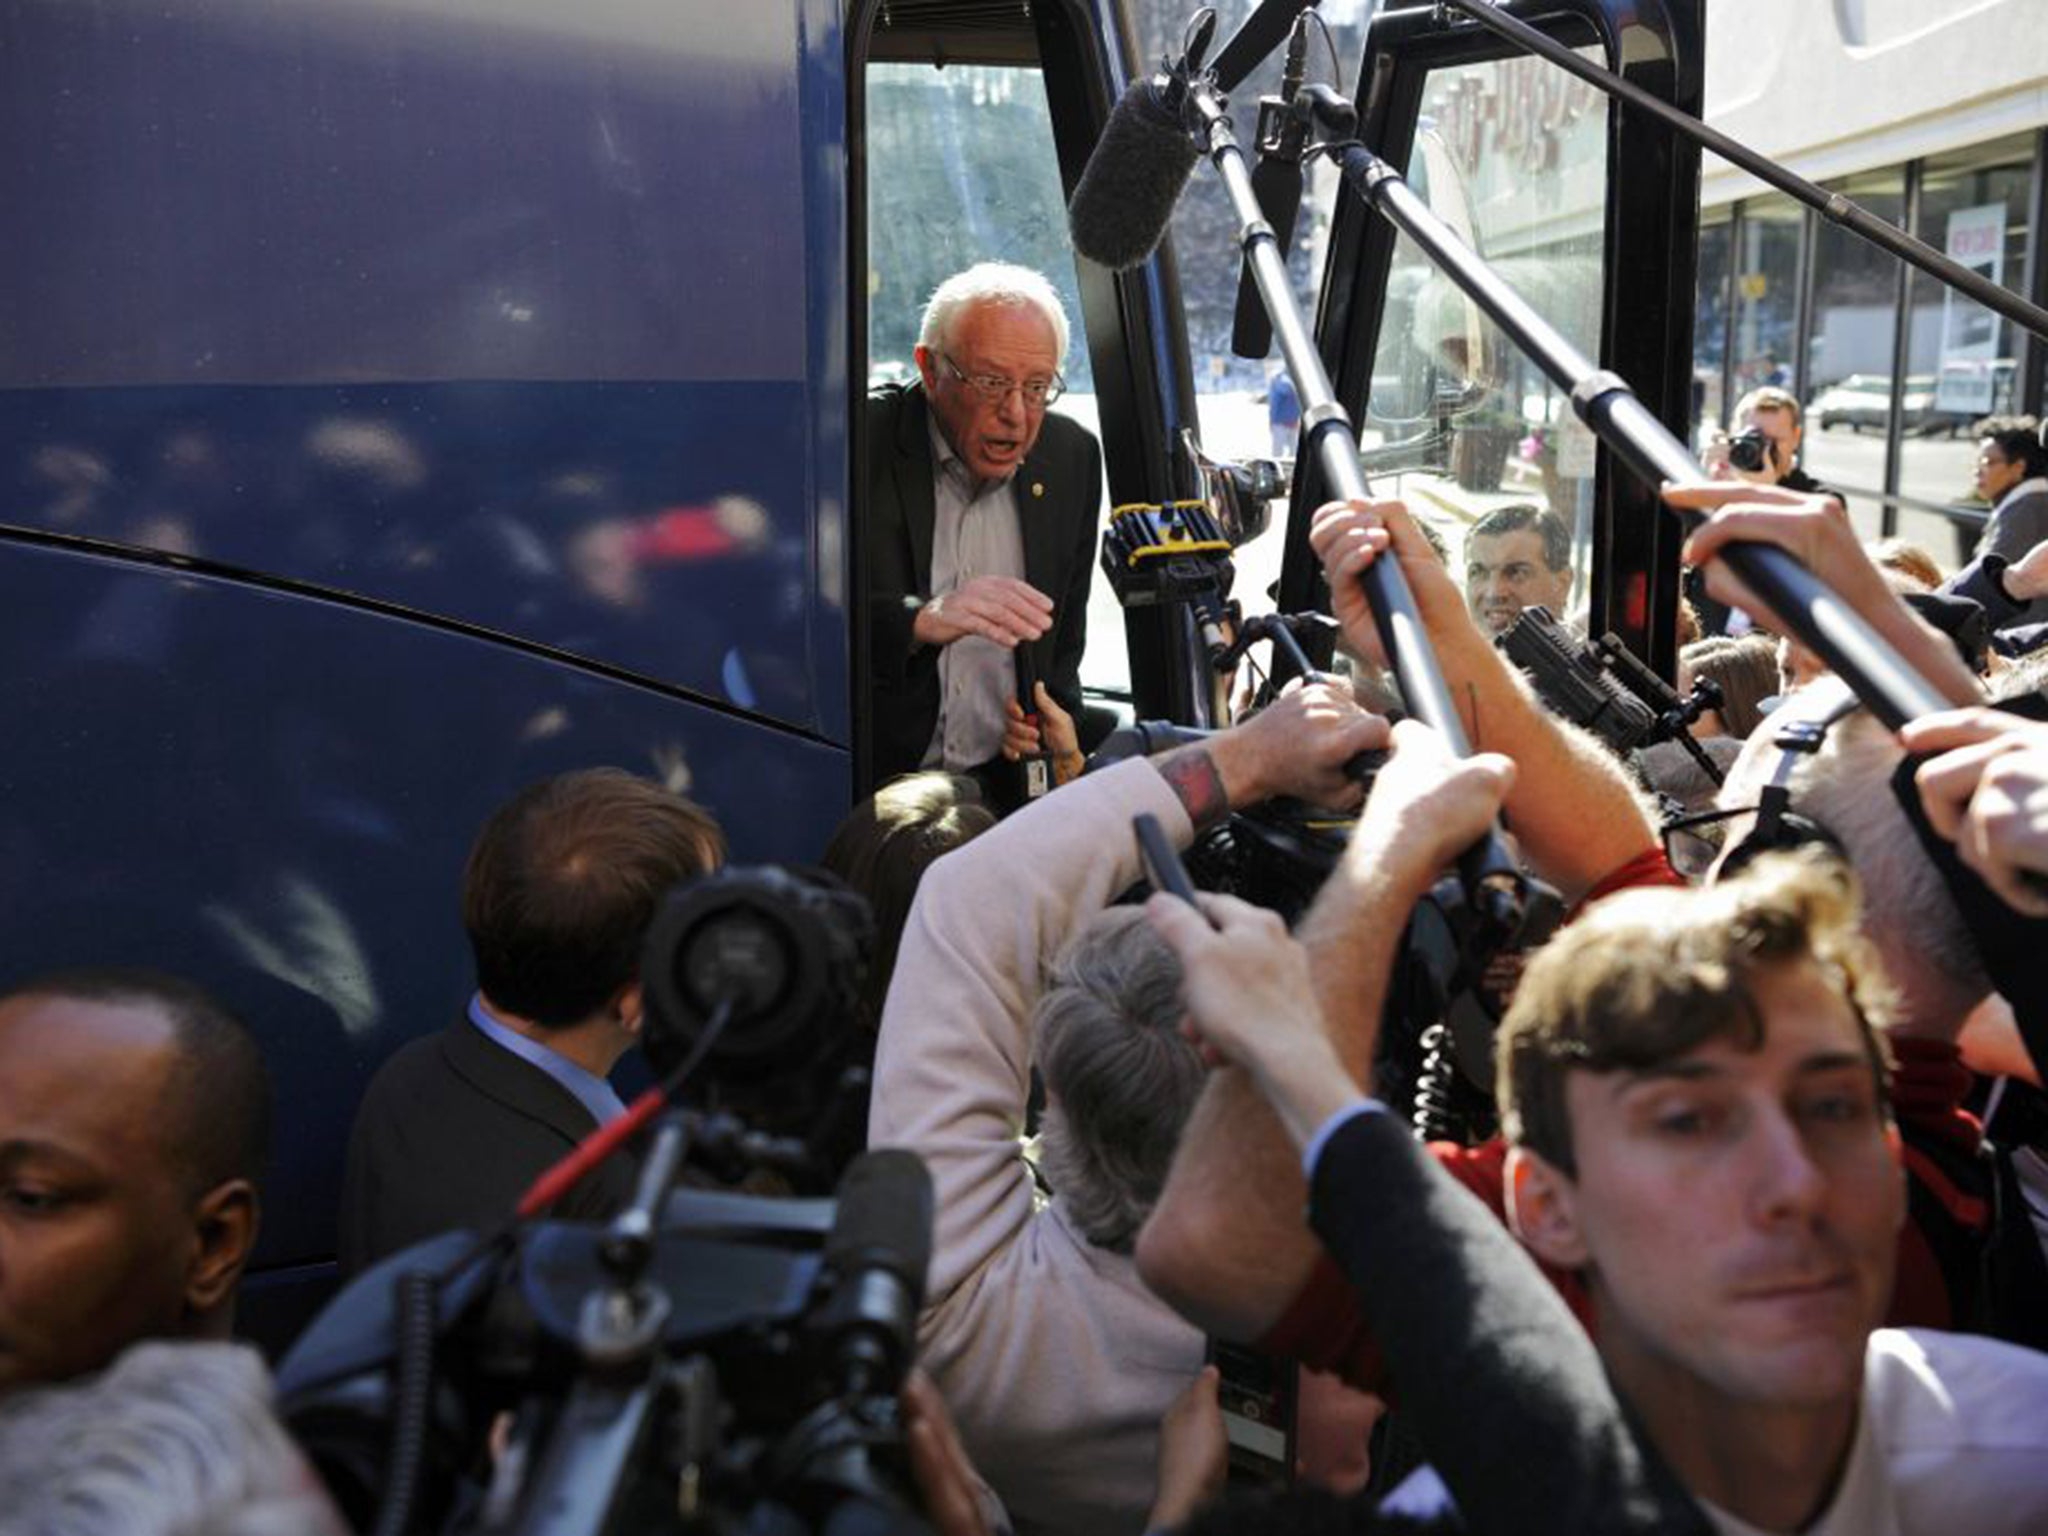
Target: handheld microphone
<point>1127,191</point>
<point>1276,183</point>
<point>1035,767</point>
<point>878,1251</point>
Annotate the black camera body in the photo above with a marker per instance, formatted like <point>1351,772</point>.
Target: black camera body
<point>730,1394</point>
<point>1751,451</point>
<point>703,1362</point>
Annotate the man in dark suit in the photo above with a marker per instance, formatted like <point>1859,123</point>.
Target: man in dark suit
<point>981,528</point>
<point>557,896</point>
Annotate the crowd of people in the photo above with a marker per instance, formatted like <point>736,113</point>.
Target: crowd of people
<point>1741,1257</point>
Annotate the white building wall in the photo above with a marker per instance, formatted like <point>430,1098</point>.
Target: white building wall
<point>1830,87</point>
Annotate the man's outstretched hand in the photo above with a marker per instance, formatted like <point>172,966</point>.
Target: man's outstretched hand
<point>998,608</point>
<point>1298,745</point>
<point>1348,536</point>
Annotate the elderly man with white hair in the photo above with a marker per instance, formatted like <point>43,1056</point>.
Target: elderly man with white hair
<point>981,519</point>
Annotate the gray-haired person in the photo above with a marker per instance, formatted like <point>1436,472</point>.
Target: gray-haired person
<point>1055,1359</point>
<point>982,511</point>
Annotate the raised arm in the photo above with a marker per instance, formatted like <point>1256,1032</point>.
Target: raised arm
<point>952,1066</point>
<point>1227,1245</point>
<point>1817,530</point>
<point>1492,1368</point>
<point>1573,809</point>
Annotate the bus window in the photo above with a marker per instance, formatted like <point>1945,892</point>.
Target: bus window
<point>1512,154</point>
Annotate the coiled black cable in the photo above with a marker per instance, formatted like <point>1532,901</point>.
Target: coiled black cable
<point>413,1392</point>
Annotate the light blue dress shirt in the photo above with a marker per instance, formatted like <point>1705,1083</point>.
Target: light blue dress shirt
<point>590,1090</point>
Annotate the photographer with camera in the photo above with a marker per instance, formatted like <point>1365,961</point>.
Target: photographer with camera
<point>1770,426</point>
<point>1055,1359</point>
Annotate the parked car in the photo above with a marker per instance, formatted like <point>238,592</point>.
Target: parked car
<point>1864,400</point>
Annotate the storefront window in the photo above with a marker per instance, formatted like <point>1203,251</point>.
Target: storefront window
<point>1849,358</point>
<point>1766,293</point>
<point>1973,205</point>
<point>1710,326</point>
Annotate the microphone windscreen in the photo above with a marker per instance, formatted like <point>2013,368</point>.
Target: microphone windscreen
<point>884,1219</point>
<point>1132,181</point>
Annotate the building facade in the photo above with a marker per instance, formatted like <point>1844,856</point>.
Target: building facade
<point>1931,116</point>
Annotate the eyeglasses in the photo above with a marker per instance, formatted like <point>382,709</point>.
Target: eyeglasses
<point>995,389</point>
<point>1692,843</point>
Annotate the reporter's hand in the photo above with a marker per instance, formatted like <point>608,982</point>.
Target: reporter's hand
<point>1816,531</point>
<point>939,1464</point>
<point>1426,806</point>
<point>1348,536</point>
<point>1194,1453</point>
<point>1055,734</point>
<point>1020,736</point>
<point>1244,979</point>
<point>998,608</point>
<point>1987,792</point>
<point>1298,745</point>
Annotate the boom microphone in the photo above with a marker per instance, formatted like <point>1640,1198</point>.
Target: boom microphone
<point>1276,182</point>
<point>879,1250</point>
<point>1252,42</point>
<point>1132,181</point>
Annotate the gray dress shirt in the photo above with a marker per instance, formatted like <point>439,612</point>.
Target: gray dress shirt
<point>974,533</point>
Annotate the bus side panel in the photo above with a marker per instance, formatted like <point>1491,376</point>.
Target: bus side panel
<point>663,528</point>
<point>501,311</point>
<point>273,795</point>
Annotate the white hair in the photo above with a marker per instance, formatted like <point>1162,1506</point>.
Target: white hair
<point>992,282</point>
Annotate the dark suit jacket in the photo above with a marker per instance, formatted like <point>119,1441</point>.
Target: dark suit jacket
<point>452,1131</point>
<point>1499,1381</point>
<point>1058,495</point>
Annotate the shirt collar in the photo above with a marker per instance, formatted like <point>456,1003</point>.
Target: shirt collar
<point>2029,487</point>
<point>588,1089</point>
<point>948,463</point>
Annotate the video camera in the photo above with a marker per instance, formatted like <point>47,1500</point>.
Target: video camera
<point>1601,686</point>
<point>705,1361</point>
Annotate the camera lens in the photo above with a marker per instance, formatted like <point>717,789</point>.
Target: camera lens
<point>1751,451</point>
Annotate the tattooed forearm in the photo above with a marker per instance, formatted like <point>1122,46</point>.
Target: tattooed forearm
<point>1193,776</point>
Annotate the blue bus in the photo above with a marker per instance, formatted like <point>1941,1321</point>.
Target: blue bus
<point>403,400</point>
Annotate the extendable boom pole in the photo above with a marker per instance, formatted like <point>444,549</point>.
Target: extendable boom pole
<point>1831,205</point>
<point>1492,880</point>
<point>1882,678</point>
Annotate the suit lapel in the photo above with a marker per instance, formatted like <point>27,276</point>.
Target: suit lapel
<point>1032,491</point>
<point>914,470</point>
<point>518,1085</point>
